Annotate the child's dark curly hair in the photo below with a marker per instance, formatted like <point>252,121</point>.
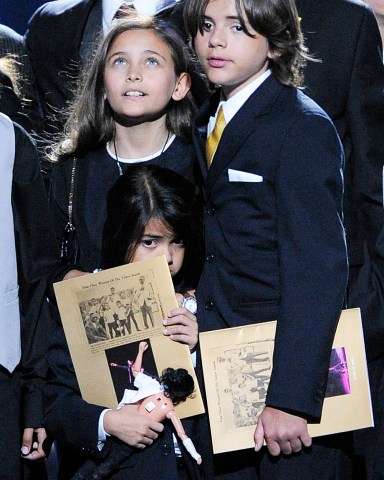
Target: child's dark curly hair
<point>178,384</point>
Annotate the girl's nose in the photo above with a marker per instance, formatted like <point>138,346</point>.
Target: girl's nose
<point>133,75</point>
<point>168,254</point>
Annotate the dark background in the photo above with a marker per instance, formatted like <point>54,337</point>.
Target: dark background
<point>16,13</point>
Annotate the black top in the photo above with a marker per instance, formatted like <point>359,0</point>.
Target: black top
<point>95,174</point>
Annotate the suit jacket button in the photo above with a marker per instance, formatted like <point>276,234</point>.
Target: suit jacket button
<point>209,305</point>
<point>210,257</point>
<point>211,211</point>
<point>165,450</point>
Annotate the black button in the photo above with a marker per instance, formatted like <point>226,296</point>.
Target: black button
<point>210,257</point>
<point>166,450</point>
<point>211,211</point>
<point>209,305</point>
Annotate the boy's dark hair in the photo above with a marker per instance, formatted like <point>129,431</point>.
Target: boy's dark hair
<point>91,121</point>
<point>178,384</point>
<point>145,192</point>
<point>276,20</point>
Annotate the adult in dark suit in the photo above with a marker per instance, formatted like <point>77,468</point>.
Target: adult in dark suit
<point>378,8</point>
<point>10,103</point>
<point>349,84</point>
<point>21,383</point>
<point>12,44</point>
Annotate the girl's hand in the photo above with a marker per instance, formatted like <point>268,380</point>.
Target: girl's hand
<point>131,427</point>
<point>74,274</point>
<point>181,326</point>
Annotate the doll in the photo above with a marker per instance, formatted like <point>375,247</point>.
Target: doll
<point>154,398</point>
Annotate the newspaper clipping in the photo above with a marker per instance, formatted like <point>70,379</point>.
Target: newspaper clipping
<point>105,316</point>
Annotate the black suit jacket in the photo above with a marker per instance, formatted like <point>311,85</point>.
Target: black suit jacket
<point>275,246</point>
<point>11,43</point>
<point>53,42</point>
<point>37,265</point>
<point>349,84</point>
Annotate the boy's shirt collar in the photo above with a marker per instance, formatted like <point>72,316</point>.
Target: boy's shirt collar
<point>233,105</point>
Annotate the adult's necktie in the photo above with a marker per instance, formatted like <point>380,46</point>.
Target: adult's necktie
<point>124,10</point>
<point>10,340</point>
<point>214,138</point>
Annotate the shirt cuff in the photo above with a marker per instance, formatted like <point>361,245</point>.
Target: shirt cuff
<point>102,434</point>
<point>193,358</point>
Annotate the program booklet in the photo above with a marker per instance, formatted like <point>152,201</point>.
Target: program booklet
<point>237,365</point>
<point>106,314</point>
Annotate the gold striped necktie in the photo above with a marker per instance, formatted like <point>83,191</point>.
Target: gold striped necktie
<point>214,138</point>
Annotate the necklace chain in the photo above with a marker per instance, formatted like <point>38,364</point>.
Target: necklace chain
<point>117,157</point>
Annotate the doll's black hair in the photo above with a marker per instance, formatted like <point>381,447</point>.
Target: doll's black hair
<point>178,384</point>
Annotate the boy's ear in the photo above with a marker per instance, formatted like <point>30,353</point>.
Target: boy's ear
<point>272,55</point>
<point>183,85</point>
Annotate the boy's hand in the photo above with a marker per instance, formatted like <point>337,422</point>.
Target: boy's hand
<point>32,443</point>
<point>283,432</point>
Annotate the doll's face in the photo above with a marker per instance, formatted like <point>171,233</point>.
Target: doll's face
<point>158,240</point>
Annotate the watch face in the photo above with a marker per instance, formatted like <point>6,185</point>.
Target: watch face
<point>190,304</point>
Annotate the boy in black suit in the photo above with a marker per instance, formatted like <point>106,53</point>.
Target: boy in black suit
<point>272,173</point>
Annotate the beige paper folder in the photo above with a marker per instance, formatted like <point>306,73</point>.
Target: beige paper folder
<point>237,364</point>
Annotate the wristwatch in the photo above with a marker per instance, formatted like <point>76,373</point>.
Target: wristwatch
<point>190,303</point>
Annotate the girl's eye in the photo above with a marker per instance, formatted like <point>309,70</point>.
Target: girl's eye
<point>152,61</point>
<point>178,241</point>
<point>149,242</point>
<point>119,61</point>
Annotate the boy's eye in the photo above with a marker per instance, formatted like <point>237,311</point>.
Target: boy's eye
<point>207,26</point>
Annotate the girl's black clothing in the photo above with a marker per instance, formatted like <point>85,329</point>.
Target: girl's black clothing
<point>95,174</point>
<point>71,421</point>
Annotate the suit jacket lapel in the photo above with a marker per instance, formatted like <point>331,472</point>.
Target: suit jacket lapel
<point>241,126</point>
<point>92,27</point>
<point>206,111</point>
